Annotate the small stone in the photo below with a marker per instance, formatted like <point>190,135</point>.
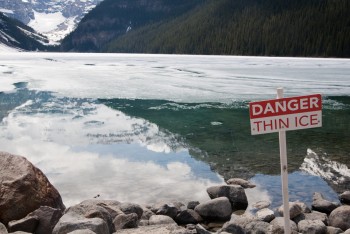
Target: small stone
<point>265,215</point>
<point>82,231</point>
<point>168,210</point>
<point>258,227</point>
<point>312,227</point>
<point>160,219</point>
<point>27,224</point>
<point>241,182</point>
<point>333,230</point>
<point>294,210</point>
<point>192,204</point>
<point>304,207</point>
<point>147,213</point>
<point>345,197</point>
<point>261,205</point>
<point>201,230</point>
<point>129,208</point>
<point>125,221</point>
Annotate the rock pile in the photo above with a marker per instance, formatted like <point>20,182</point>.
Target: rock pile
<point>40,210</point>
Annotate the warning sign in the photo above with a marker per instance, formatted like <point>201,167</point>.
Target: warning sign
<point>286,114</point>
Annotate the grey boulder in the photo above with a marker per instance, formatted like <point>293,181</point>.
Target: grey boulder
<point>235,194</point>
<point>312,227</point>
<point>322,205</point>
<point>340,218</point>
<point>215,209</point>
<point>294,210</point>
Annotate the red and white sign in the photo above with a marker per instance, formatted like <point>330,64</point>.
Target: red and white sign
<point>291,113</point>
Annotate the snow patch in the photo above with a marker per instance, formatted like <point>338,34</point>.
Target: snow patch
<point>44,23</point>
<point>6,11</point>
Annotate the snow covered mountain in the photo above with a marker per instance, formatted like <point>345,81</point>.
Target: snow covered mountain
<point>16,36</point>
<point>52,18</point>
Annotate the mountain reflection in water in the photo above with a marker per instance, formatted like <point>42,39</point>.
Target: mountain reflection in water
<point>123,149</point>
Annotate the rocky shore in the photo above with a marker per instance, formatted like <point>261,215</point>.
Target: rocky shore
<point>30,204</point>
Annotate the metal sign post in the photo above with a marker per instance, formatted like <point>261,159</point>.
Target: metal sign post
<point>284,172</point>
<point>280,115</point>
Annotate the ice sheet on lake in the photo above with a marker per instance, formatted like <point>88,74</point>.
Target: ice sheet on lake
<point>176,77</point>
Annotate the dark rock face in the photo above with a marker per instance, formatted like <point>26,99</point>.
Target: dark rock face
<point>24,188</point>
<point>27,224</point>
<point>340,218</point>
<point>235,194</point>
<point>168,210</point>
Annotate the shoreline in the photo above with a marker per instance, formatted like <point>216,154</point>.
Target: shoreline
<point>32,205</point>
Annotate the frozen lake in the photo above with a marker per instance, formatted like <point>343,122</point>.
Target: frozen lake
<point>144,128</point>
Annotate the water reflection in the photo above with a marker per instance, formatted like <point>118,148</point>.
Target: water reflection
<point>88,149</point>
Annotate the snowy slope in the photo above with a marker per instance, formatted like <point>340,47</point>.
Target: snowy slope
<point>54,19</point>
<point>16,36</point>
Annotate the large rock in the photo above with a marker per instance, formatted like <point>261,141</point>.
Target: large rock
<point>294,210</point>
<point>89,214</point>
<point>345,197</point>
<point>24,188</point>
<point>235,194</point>
<point>241,182</point>
<point>312,227</point>
<point>322,205</point>
<point>340,218</point>
<point>216,209</point>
